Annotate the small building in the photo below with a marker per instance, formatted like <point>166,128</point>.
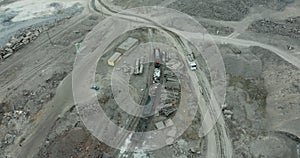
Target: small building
<point>127,44</point>
<point>114,59</point>
<point>160,125</point>
<point>169,123</point>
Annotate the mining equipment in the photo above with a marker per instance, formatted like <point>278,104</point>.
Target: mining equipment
<point>157,69</point>
<point>157,58</point>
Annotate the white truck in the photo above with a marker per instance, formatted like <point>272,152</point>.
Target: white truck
<point>191,62</point>
<point>156,75</point>
<point>193,65</point>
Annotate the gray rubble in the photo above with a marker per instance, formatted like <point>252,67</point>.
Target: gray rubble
<point>20,41</point>
<point>227,10</point>
<point>15,35</point>
<point>289,27</point>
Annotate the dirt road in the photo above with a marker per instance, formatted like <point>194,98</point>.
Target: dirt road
<point>62,101</point>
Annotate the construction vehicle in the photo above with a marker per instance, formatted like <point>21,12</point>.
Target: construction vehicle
<point>157,69</point>
<point>167,111</point>
<point>139,66</point>
<point>156,75</point>
<point>157,57</point>
<point>191,61</point>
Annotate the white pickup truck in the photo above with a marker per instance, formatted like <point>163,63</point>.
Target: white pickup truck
<point>193,65</point>
<point>191,62</point>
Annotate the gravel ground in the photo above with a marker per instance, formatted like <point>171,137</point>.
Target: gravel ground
<point>289,27</point>
<point>216,29</point>
<point>250,95</point>
<point>69,138</point>
<point>34,91</point>
<point>262,93</point>
<point>227,10</point>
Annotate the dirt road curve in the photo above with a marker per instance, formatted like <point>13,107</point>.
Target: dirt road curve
<point>283,54</point>
<point>247,43</point>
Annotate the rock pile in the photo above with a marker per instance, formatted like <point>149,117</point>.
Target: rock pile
<point>226,10</point>
<point>21,40</point>
<point>289,27</point>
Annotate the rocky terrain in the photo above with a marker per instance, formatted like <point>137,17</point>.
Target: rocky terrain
<point>69,138</point>
<point>289,27</point>
<point>227,10</point>
<point>250,96</point>
<point>26,91</point>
